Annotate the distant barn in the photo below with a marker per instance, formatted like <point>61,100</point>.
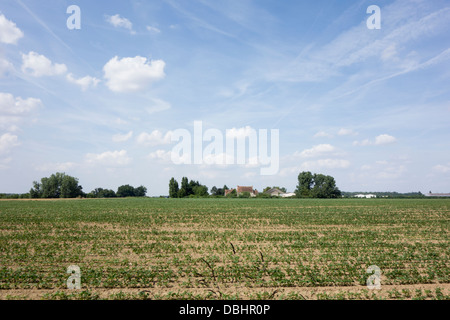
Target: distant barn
<point>241,189</point>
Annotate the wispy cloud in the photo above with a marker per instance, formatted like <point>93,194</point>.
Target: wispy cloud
<point>382,139</point>
<point>154,138</point>
<point>84,82</point>
<point>120,22</point>
<point>122,137</point>
<point>109,158</point>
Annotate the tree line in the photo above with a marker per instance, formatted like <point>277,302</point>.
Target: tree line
<point>309,186</point>
<point>61,185</point>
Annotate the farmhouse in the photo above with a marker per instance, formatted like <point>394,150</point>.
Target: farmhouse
<point>241,189</point>
<point>274,192</point>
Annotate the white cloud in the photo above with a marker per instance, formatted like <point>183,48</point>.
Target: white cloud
<point>384,139</point>
<point>393,172</point>
<point>132,74</point>
<point>315,151</point>
<point>122,137</point>
<point>389,53</point>
<point>9,33</point>
<point>109,158</point>
<point>14,110</point>
<point>442,168</point>
<point>11,105</point>
<point>323,134</point>
<point>7,142</point>
<point>4,163</point>
<point>154,138</point>
<point>158,106</point>
<point>61,166</point>
<point>161,154</point>
<point>119,22</point>
<point>326,163</point>
<point>84,82</point>
<point>365,142</point>
<point>5,67</point>
<point>347,132</point>
<point>153,30</point>
<point>170,157</point>
<point>316,165</point>
<point>38,65</point>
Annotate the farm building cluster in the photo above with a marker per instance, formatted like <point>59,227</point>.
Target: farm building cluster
<point>253,192</point>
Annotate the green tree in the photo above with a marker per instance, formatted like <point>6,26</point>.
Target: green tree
<point>185,188</point>
<point>244,194</point>
<point>200,191</point>
<point>58,185</point>
<point>140,191</point>
<point>316,186</point>
<point>36,190</point>
<point>173,188</point>
<point>101,193</point>
<point>108,193</point>
<point>305,183</point>
<point>70,188</point>
<point>125,191</point>
<point>324,187</point>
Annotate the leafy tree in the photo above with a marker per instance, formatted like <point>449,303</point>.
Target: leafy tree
<point>125,191</point>
<point>200,191</point>
<point>244,194</point>
<point>182,193</point>
<point>173,188</point>
<point>232,194</point>
<point>316,186</point>
<point>58,185</point>
<point>102,193</point>
<point>36,191</point>
<point>130,191</point>
<point>279,188</point>
<point>108,193</point>
<point>263,195</point>
<point>185,188</point>
<point>140,191</point>
<point>191,188</point>
<point>70,188</point>
<point>214,191</point>
<point>305,183</point>
<point>324,187</point>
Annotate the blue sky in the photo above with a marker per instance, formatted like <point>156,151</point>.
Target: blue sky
<point>371,107</point>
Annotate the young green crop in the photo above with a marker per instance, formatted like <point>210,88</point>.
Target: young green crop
<point>223,247</point>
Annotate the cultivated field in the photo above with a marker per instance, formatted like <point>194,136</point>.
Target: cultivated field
<point>225,248</point>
